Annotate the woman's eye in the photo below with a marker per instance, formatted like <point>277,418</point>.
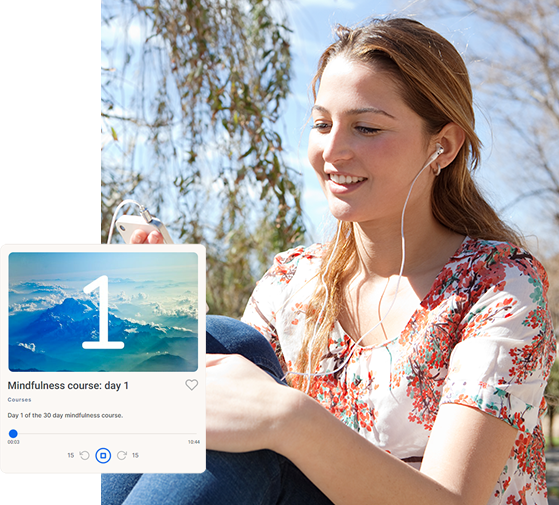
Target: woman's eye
<point>320,126</point>
<point>366,130</point>
<point>325,127</point>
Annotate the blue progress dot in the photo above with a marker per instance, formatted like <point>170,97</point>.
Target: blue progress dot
<point>13,433</point>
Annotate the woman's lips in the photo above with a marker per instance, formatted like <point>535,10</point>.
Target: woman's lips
<point>345,179</point>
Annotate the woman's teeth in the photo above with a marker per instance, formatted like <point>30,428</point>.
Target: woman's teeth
<point>345,179</point>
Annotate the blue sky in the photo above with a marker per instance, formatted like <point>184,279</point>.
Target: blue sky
<point>150,265</point>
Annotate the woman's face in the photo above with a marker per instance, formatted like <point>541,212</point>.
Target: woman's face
<point>366,145</point>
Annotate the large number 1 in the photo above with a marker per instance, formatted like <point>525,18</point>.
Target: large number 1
<point>103,343</point>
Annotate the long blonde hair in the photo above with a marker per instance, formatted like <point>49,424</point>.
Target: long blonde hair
<point>434,82</point>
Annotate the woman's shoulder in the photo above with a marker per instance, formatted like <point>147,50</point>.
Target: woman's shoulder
<point>287,263</point>
<point>483,254</point>
<point>481,264</point>
<point>287,278</point>
<point>311,252</point>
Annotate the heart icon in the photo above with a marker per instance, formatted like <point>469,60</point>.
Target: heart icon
<point>191,383</point>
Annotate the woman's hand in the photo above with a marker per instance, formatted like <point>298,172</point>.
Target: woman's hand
<point>244,405</point>
<point>141,237</point>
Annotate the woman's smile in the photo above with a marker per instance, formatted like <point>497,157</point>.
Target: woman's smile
<point>345,179</point>
<point>341,184</point>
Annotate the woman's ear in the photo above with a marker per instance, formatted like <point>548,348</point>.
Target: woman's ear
<point>451,138</point>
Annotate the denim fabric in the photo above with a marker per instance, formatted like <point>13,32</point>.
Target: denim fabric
<point>229,336</point>
<point>252,478</point>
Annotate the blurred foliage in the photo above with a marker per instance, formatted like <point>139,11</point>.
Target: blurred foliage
<point>523,78</point>
<point>191,93</point>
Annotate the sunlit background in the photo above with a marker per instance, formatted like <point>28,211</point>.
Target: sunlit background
<point>500,176</point>
<point>510,182</point>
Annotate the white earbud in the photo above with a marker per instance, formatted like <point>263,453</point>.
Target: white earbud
<point>436,154</point>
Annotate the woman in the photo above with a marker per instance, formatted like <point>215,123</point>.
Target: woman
<point>422,326</point>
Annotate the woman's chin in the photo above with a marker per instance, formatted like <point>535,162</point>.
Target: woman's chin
<point>343,211</point>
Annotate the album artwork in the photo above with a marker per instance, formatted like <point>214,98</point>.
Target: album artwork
<point>103,311</point>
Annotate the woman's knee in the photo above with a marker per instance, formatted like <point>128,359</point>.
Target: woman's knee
<point>230,336</point>
<point>225,335</point>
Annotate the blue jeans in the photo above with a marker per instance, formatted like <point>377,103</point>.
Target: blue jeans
<point>252,478</point>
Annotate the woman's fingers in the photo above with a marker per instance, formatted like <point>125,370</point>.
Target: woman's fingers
<point>142,237</point>
<point>138,237</point>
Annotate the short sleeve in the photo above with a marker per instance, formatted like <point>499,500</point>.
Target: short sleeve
<point>507,344</point>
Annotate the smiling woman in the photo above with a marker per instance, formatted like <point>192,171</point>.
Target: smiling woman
<point>367,146</point>
<point>417,342</point>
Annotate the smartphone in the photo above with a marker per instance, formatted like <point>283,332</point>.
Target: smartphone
<point>126,225</point>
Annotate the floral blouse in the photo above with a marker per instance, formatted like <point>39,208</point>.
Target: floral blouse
<point>482,337</point>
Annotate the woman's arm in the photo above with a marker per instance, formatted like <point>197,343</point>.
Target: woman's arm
<point>247,410</point>
<point>464,458</point>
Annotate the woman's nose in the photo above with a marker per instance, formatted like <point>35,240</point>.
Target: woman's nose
<point>337,146</point>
